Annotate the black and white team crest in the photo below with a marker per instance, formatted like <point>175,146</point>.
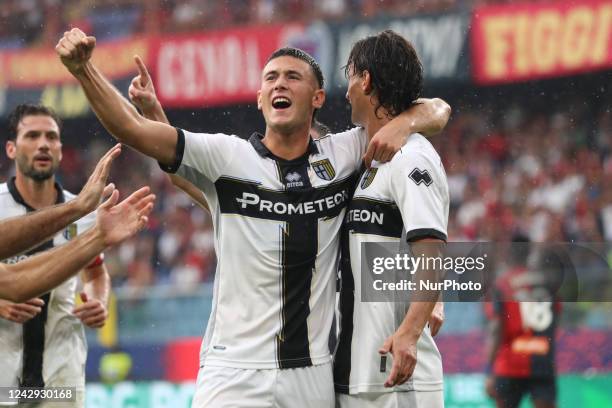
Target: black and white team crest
<point>293,179</point>
<point>420,176</point>
<point>70,232</point>
<point>324,169</point>
<point>368,178</point>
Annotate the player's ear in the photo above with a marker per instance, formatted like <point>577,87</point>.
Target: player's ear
<point>259,99</point>
<point>11,149</point>
<point>318,99</point>
<point>366,82</point>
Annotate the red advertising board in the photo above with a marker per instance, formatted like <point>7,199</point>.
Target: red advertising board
<point>529,41</point>
<point>215,68</point>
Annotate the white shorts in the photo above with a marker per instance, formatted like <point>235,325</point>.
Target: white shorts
<point>407,399</point>
<point>224,387</point>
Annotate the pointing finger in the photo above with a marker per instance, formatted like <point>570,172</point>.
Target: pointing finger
<point>142,69</point>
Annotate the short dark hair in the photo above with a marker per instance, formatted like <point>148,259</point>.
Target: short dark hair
<point>394,66</point>
<point>28,109</point>
<point>304,56</point>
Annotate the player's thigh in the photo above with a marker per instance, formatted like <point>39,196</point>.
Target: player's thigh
<point>543,392</point>
<point>305,387</point>
<point>224,387</point>
<point>509,391</point>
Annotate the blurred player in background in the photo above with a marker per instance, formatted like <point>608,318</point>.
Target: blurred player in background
<point>277,202</point>
<point>410,191</point>
<point>115,223</point>
<point>521,343</point>
<point>37,336</point>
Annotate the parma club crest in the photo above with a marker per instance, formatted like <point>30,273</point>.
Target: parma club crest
<point>324,169</point>
<point>70,232</point>
<point>368,178</point>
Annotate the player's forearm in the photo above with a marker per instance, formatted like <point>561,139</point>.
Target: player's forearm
<point>416,318</point>
<point>423,300</point>
<point>192,191</point>
<point>97,283</point>
<point>427,116</point>
<point>120,118</point>
<point>22,233</point>
<point>41,273</point>
<point>156,113</point>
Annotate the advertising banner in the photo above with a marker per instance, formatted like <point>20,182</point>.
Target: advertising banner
<point>217,67</point>
<point>440,40</point>
<point>530,41</point>
<point>460,391</point>
<point>33,75</point>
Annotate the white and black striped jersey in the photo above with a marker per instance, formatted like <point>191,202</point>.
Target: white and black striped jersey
<point>55,333</point>
<point>407,196</point>
<point>277,225</point>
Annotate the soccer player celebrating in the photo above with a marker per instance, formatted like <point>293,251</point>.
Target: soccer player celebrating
<point>277,202</point>
<point>409,196</point>
<point>36,336</point>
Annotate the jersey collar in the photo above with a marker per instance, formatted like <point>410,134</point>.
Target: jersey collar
<point>12,188</point>
<point>263,151</point>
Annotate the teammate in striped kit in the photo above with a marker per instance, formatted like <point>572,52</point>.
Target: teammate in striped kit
<point>277,202</point>
<point>36,336</point>
<point>404,199</point>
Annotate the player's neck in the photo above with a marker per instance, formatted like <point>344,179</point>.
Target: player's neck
<point>287,146</point>
<point>38,194</point>
<point>374,123</point>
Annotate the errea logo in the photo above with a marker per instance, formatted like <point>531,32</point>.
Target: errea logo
<point>421,176</point>
<point>293,179</point>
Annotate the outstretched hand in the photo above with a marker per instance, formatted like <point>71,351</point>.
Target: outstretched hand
<point>95,188</point>
<point>142,91</point>
<point>117,222</point>
<point>75,49</point>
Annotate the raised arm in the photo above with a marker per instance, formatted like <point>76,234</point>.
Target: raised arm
<point>41,273</point>
<point>22,233</point>
<point>427,116</point>
<point>142,94</point>
<point>119,117</point>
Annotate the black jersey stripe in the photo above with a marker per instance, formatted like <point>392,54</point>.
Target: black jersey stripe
<point>34,329</point>
<point>249,199</point>
<point>342,357</point>
<point>370,216</point>
<point>299,245</point>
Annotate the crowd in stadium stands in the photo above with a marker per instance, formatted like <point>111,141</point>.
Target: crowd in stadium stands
<point>547,176</point>
<point>39,22</point>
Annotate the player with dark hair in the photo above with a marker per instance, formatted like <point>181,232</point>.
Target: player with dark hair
<point>115,222</point>
<point>35,336</point>
<point>408,196</point>
<point>277,202</point>
<point>521,335</point>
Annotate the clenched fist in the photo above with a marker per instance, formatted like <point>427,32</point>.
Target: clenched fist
<point>75,49</point>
